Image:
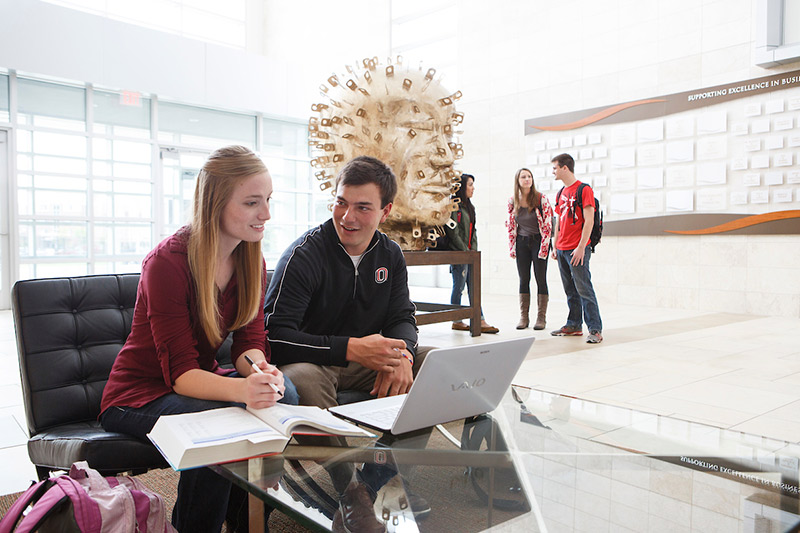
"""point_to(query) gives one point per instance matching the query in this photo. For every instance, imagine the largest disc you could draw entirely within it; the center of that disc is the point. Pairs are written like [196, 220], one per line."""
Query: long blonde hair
[534, 197]
[224, 169]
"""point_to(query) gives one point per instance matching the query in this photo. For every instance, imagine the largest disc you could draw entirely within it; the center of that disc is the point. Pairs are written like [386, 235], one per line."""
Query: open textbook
[232, 433]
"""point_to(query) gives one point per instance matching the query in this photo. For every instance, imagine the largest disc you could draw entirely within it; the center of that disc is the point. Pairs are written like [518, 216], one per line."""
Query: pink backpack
[86, 502]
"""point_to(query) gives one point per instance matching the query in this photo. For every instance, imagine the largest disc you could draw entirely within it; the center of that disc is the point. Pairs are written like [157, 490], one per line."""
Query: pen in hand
[257, 369]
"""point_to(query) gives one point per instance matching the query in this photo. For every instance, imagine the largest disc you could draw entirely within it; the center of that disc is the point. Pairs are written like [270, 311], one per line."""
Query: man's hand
[393, 383]
[577, 256]
[376, 352]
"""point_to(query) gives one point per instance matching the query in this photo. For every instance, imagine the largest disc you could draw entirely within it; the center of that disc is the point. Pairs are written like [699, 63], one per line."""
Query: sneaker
[595, 337]
[567, 331]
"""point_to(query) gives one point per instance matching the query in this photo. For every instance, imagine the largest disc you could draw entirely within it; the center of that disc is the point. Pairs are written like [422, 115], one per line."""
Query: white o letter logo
[381, 275]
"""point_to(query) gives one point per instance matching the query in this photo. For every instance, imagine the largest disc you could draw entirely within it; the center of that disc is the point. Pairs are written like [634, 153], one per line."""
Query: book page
[220, 425]
[290, 419]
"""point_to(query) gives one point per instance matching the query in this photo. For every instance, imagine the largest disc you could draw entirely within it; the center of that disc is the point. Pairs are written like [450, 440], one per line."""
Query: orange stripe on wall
[741, 223]
[600, 115]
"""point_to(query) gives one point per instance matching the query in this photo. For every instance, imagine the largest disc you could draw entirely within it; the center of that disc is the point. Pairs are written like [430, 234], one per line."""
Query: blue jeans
[462, 275]
[203, 495]
[577, 281]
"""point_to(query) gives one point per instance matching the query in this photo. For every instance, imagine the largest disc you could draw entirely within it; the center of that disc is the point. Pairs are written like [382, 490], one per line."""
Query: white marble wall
[534, 59]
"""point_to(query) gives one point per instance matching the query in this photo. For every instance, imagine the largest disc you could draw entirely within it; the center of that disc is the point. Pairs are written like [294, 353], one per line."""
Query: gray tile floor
[728, 370]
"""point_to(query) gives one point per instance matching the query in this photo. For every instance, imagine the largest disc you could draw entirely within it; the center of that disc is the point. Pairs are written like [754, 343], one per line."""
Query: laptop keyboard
[384, 417]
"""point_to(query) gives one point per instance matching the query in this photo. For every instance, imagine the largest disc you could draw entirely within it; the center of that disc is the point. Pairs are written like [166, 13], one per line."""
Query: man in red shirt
[571, 232]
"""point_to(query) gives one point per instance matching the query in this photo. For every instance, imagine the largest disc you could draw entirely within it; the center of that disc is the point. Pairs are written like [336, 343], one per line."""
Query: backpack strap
[33, 494]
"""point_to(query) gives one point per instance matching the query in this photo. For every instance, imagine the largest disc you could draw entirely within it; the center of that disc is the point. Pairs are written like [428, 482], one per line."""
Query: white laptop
[452, 383]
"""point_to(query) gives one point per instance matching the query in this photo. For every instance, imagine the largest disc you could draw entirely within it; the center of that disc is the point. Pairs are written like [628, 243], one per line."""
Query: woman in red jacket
[530, 225]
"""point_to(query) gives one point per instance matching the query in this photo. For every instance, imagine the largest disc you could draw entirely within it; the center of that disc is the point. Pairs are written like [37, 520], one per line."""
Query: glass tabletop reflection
[548, 462]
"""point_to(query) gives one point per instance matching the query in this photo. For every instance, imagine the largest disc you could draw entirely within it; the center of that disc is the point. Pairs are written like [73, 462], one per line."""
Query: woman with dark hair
[464, 238]
[530, 224]
[206, 280]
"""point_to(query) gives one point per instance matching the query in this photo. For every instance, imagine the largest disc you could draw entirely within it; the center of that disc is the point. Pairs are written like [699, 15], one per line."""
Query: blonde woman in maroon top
[206, 280]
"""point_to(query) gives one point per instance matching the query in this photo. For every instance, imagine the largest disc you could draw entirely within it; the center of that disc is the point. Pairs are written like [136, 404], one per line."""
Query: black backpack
[597, 229]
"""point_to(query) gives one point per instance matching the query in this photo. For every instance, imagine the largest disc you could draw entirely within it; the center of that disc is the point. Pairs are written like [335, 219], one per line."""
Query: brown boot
[542, 300]
[524, 306]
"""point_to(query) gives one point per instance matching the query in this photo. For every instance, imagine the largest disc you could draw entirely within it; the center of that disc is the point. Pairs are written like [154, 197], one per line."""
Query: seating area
[69, 331]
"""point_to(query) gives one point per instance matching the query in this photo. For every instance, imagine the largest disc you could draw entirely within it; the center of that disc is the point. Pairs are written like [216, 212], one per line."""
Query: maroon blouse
[166, 339]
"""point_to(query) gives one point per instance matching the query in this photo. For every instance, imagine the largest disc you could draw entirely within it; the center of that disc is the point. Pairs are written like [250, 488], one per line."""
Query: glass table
[547, 462]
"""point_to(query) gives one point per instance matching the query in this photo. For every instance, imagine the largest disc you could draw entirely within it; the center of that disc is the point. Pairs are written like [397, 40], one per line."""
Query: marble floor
[728, 370]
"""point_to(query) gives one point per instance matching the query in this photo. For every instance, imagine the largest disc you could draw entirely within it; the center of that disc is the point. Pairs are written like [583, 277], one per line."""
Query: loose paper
[773, 178]
[651, 178]
[738, 198]
[740, 128]
[760, 196]
[773, 106]
[680, 152]
[712, 122]
[623, 181]
[759, 161]
[752, 145]
[680, 176]
[712, 148]
[752, 109]
[752, 179]
[650, 202]
[760, 126]
[650, 154]
[680, 201]
[623, 157]
[622, 204]
[680, 127]
[739, 163]
[782, 195]
[783, 159]
[650, 131]
[711, 200]
[624, 134]
[774, 142]
[711, 173]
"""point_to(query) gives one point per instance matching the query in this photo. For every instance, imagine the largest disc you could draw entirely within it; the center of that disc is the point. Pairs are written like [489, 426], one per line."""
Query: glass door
[179, 168]
[5, 224]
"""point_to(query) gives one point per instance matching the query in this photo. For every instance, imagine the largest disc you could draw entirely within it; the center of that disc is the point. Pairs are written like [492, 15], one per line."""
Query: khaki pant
[318, 385]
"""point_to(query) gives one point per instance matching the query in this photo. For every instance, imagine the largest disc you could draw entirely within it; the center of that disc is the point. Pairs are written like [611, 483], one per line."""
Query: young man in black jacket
[338, 312]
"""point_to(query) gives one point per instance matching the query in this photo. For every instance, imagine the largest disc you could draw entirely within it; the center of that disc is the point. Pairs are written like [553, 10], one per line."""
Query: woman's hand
[258, 393]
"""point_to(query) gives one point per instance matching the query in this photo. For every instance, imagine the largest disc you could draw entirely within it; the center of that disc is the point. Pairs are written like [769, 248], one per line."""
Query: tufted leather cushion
[69, 331]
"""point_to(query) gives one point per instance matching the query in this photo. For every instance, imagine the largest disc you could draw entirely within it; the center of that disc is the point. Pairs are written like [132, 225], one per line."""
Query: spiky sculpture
[404, 117]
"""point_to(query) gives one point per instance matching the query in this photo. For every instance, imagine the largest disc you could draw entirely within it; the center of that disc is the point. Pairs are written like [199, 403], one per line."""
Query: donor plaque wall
[714, 160]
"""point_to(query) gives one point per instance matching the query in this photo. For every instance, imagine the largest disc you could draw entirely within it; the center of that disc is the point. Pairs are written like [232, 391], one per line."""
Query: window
[777, 32]
[216, 22]
[297, 202]
[4, 105]
[96, 191]
[123, 114]
[48, 105]
[791, 21]
[196, 126]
